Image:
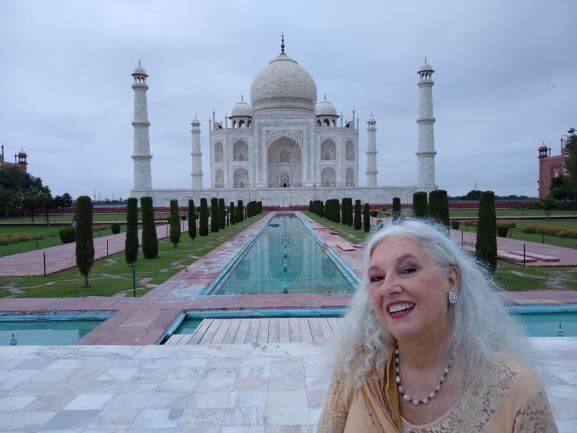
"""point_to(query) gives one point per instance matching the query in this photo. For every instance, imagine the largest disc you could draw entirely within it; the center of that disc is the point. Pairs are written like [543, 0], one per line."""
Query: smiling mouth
[397, 311]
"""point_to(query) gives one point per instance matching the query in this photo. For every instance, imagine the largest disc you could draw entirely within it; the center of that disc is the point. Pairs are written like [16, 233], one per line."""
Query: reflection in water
[285, 259]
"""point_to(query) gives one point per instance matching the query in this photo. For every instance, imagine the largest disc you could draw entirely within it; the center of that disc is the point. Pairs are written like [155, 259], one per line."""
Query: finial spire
[425, 59]
[325, 96]
[282, 43]
[241, 98]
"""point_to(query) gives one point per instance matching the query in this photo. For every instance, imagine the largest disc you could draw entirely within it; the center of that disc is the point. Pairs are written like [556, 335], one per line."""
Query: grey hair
[480, 326]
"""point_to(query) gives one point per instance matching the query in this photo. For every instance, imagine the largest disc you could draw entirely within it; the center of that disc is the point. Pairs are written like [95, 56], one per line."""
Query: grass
[509, 276]
[349, 233]
[49, 235]
[534, 237]
[111, 275]
[473, 213]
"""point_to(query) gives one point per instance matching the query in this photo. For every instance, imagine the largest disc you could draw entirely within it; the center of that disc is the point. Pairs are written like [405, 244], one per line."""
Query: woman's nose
[391, 285]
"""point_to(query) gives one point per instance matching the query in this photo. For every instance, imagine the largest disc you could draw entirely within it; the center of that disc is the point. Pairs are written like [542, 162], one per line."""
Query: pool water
[552, 324]
[44, 332]
[188, 326]
[285, 259]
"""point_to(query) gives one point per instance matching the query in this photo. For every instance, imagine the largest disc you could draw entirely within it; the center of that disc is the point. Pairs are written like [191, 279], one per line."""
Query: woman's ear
[454, 279]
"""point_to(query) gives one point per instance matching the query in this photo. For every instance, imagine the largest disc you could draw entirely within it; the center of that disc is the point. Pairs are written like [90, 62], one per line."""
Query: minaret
[426, 138]
[196, 155]
[372, 153]
[141, 154]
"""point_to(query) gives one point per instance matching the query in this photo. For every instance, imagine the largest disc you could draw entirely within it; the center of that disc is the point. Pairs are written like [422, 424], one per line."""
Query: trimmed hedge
[12, 238]
[115, 228]
[149, 237]
[191, 219]
[174, 223]
[486, 243]
[366, 219]
[84, 239]
[562, 232]
[455, 225]
[67, 235]
[131, 240]
[439, 206]
[203, 221]
[420, 205]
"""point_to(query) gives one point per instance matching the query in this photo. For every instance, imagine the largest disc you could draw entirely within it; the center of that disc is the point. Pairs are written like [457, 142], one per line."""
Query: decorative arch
[284, 163]
[350, 151]
[218, 151]
[328, 150]
[240, 178]
[328, 177]
[240, 151]
[219, 178]
[350, 177]
[240, 123]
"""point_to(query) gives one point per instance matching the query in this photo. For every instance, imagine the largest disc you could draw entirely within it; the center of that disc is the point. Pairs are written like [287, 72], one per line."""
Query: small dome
[543, 147]
[426, 67]
[139, 70]
[283, 84]
[241, 109]
[326, 108]
[22, 153]
[371, 119]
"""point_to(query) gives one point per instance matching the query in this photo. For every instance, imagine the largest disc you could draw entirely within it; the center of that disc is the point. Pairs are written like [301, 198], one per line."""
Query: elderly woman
[428, 346]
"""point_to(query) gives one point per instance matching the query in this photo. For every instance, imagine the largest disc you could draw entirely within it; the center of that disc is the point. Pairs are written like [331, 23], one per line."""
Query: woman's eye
[408, 270]
[375, 278]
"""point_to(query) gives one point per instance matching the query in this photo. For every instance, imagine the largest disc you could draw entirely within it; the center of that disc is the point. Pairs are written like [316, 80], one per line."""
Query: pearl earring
[452, 296]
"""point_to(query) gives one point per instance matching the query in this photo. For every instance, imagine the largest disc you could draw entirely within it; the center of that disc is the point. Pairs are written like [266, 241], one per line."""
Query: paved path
[61, 257]
[256, 388]
[566, 256]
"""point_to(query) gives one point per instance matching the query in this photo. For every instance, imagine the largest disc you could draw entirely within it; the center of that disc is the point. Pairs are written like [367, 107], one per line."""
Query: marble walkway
[278, 388]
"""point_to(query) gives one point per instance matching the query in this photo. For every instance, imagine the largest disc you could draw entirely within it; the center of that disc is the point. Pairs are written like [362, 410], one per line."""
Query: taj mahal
[284, 148]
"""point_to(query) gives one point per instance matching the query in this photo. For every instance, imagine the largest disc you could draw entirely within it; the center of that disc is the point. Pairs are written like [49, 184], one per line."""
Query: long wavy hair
[480, 327]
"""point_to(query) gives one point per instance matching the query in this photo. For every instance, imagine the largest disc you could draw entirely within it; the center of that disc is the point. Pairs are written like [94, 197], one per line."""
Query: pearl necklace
[428, 398]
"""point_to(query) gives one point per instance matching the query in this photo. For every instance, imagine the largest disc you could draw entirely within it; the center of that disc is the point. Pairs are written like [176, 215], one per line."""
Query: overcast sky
[505, 80]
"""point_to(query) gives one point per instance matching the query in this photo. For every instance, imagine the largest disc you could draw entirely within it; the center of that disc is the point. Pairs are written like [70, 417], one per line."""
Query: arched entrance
[284, 164]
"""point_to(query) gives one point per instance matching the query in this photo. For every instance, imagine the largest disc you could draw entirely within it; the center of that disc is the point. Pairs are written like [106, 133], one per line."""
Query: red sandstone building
[550, 167]
[19, 161]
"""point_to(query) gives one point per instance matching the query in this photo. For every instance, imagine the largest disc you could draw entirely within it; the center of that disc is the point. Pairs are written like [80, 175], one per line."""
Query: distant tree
[149, 236]
[561, 188]
[548, 205]
[231, 212]
[203, 221]
[366, 218]
[32, 199]
[191, 219]
[439, 206]
[131, 240]
[357, 223]
[221, 214]
[486, 242]
[214, 215]
[174, 223]
[420, 205]
[84, 241]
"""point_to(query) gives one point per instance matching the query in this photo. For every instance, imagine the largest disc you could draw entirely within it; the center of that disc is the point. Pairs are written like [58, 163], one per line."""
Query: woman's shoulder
[519, 381]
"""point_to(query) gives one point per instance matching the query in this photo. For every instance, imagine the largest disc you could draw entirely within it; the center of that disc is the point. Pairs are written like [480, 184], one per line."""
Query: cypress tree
[203, 221]
[349, 212]
[337, 211]
[174, 223]
[321, 209]
[486, 243]
[191, 219]
[344, 211]
[149, 237]
[420, 205]
[221, 213]
[396, 208]
[84, 241]
[239, 211]
[232, 214]
[366, 218]
[131, 240]
[439, 206]
[213, 215]
[357, 223]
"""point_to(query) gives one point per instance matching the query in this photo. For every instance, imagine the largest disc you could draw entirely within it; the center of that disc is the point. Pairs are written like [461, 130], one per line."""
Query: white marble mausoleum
[283, 147]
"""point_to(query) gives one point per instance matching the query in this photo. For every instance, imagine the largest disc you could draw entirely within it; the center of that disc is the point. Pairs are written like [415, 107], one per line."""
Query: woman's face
[407, 289]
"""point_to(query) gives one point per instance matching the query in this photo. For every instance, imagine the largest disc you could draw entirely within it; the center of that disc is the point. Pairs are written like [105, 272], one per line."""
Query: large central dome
[283, 84]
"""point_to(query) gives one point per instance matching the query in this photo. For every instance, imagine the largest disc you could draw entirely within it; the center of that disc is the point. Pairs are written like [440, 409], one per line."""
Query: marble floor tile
[129, 400]
[17, 402]
[157, 418]
[201, 418]
[70, 420]
[286, 398]
[89, 401]
[287, 416]
[248, 399]
[113, 418]
[210, 399]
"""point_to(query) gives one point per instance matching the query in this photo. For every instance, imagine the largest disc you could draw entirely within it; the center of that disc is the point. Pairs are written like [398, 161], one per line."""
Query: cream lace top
[515, 402]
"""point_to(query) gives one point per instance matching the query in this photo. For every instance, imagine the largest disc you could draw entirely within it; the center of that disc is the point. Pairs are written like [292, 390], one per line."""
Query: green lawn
[510, 276]
[49, 235]
[112, 275]
[119, 217]
[349, 233]
[508, 212]
[533, 237]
